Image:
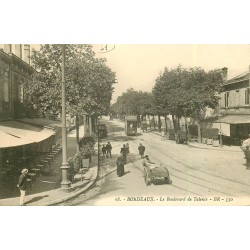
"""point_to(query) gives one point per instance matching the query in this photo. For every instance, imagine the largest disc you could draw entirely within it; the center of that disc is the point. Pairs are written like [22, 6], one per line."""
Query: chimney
[7, 48]
[27, 53]
[18, 49]
[224, 73]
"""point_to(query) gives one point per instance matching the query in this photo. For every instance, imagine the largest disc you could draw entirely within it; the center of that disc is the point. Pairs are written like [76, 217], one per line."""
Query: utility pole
[65, 184]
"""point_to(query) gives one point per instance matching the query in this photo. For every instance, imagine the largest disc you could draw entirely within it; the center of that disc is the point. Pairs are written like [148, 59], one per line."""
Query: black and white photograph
[125, 124]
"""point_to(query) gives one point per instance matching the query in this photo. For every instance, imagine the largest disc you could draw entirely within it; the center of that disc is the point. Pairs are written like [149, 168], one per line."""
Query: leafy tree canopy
[187, 92]
[89, 81]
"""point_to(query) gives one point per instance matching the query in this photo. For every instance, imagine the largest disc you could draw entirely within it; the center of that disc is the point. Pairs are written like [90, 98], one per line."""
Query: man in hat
[22, 184]
[141, 149]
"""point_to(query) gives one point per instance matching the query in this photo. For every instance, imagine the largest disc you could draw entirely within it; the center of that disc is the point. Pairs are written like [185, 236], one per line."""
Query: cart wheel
[146, 178]
[167, 180]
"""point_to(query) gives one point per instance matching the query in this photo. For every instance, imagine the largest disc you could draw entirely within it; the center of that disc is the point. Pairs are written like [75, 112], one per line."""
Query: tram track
[185, 177]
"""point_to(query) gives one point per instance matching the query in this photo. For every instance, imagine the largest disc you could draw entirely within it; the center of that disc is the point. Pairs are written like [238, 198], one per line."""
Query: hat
[25, 171]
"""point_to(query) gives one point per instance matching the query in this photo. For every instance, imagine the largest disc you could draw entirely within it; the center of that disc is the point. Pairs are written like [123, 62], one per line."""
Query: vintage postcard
[124, 125]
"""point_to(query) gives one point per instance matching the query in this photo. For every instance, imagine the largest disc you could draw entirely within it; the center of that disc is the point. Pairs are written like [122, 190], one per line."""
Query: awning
[234, 119]
[8, 141]
[21, 134]
[224, 128]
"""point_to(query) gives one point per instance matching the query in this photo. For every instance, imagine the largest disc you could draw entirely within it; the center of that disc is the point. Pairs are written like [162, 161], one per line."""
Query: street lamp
[65, 184]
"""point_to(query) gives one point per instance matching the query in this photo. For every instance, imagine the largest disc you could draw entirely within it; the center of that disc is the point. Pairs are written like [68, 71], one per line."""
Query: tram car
[131, 125]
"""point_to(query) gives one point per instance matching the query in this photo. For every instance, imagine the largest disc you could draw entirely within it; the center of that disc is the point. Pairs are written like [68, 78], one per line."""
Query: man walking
[109, 149]
[22, 184]
[103, 150]
[141, 149]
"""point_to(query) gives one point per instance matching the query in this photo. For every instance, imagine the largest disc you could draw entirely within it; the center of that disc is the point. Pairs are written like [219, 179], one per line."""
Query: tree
[134, 103]
[187, 92]
[89, 81]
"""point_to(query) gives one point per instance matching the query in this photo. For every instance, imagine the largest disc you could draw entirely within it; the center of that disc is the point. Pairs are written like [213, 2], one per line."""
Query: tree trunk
[186, 128]
[159, 123]
[154, 121]
[77, 133]
[174, 123]
[166, 125]
[199, 132]
[149, 121]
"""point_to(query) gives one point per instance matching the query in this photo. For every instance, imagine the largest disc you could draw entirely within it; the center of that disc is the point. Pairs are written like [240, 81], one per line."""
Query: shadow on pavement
[36, 199]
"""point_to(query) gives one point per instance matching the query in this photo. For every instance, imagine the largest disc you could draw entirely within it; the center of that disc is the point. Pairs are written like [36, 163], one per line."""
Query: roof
[242, 77]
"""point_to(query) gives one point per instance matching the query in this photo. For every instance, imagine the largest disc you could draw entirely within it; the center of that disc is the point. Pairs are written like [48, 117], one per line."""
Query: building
[234, 109]
[15, 73]
[20, 134]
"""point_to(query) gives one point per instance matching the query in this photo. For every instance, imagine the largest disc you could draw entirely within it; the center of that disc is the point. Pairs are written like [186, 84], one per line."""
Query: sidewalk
[53, 197]
[46, 190]
[208, 147]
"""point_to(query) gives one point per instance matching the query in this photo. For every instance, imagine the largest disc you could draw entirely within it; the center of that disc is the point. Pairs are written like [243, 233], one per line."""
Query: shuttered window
[247, 92]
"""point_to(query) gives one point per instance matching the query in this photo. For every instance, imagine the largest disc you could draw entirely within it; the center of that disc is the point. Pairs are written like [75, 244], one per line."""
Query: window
[247, 92]
[226, 99]
[21, 93]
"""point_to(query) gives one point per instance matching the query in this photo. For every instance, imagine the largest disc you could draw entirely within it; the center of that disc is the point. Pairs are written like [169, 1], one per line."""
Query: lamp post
[65, 184]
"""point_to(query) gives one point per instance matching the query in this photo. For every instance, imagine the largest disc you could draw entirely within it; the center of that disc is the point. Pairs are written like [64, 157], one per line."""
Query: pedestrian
[147, 160]
[104, 149]
[141, 149]
[120, 162]
[22, 184]
[127, 148]
[109, 149]
[123, 149]
[124, 152]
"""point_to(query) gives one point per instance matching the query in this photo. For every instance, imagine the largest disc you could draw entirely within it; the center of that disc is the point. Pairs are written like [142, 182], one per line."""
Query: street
[199, 176]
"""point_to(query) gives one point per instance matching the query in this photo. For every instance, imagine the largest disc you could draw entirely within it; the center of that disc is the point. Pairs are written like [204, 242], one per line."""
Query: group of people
[106, 150]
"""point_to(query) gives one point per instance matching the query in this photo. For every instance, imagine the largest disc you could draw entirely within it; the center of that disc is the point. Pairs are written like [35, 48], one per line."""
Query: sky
[138, 65]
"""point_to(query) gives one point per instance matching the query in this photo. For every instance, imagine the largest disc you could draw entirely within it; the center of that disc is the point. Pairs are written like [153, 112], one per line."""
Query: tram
[131, 124]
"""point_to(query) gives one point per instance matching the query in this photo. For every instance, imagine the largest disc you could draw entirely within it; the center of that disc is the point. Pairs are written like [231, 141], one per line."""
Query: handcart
[152, 172]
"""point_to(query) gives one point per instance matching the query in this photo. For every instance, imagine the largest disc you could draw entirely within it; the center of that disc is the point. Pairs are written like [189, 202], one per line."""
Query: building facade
[15, 73]
[234, 109]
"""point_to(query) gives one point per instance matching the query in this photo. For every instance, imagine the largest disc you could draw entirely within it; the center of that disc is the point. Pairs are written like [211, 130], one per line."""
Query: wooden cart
[155, 171]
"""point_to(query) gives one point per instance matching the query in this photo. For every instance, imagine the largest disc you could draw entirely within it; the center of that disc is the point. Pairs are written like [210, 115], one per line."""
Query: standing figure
[104, 149]
[141, 149]
[109, 149]
[22, 184]
[127, 148]
[120, 162]
[124, 152]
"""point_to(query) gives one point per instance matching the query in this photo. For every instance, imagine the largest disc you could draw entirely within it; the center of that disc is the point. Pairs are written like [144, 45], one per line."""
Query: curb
[216, 149]
[73, 194]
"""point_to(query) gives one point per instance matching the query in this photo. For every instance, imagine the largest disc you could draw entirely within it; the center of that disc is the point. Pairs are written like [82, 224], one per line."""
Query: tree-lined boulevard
[204, 176]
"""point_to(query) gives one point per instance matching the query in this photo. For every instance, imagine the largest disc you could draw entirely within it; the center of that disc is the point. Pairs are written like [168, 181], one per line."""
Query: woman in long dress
[120, 165]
